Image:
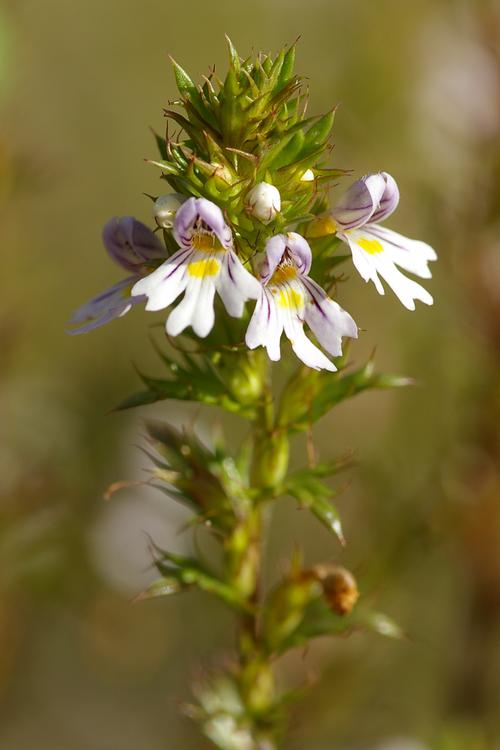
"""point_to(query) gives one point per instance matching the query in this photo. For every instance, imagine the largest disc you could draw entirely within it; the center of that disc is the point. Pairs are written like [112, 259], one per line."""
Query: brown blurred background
[80, 666]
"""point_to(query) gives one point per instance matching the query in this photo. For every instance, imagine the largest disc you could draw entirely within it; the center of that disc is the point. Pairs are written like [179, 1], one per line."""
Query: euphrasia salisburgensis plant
[243, 264]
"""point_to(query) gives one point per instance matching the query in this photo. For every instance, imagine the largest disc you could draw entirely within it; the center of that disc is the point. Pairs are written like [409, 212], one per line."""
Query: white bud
[308, 176]
[264, 202]
[165, 207]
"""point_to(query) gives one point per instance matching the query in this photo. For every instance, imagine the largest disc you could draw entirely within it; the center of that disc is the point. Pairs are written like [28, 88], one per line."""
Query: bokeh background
[82, 667]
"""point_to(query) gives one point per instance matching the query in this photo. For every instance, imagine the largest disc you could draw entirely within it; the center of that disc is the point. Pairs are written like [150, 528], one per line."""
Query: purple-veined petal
[275, 249]
[266, 326]
[305, 350]
[131, 243]
[164, 284]
[236, 285]
[113, 303]
[200, 208]
[389, 200]
[359, 202]
[297, 249]
[327, 320]
[300, 252]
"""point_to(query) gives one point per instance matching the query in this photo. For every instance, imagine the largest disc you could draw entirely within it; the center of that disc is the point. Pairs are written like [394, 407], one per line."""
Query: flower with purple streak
[206, 263]
[134, 247]
[377, 250]
[289, 297]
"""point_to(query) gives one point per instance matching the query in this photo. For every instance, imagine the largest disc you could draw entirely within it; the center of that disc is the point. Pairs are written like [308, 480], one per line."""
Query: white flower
[379, 251]
[165, 207]
[264, 202]
[205, 264]
[288, 299]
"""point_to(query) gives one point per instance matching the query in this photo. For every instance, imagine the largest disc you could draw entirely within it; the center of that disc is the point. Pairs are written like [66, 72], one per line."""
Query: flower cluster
[207, 262]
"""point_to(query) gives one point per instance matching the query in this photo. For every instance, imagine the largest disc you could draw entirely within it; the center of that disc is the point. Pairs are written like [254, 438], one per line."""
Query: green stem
[270, 462]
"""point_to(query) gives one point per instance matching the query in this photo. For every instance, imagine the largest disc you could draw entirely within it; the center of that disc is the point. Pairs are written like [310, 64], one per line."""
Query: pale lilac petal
[266, 326]
[185, 219]
[389, 201]
[296, 247]
[164, 284]
[327, 320]
[275, 249]
[211, 214]
[300, 252]
[359, 202]
[109, 305]
[235, 285]
[131, 243]
[200, 208]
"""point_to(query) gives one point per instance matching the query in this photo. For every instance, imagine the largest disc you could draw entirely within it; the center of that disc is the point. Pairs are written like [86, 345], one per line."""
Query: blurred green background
[419, 90]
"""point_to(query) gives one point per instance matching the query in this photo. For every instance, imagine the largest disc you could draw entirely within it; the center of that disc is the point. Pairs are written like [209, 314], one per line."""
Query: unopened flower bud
[308, 176]
[264, 202]
[165, 207]
[339, 587]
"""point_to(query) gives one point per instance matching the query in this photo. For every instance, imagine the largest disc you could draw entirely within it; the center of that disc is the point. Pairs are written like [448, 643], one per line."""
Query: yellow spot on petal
[201, 268]
[284, 273]
[206, 242]
[370, 246]
[289, 298]
[322, 227]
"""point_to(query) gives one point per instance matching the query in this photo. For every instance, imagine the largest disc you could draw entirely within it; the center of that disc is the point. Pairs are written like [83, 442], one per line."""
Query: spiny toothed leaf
[179, 573]
[319, 620]
[310, 394]
[312, 493]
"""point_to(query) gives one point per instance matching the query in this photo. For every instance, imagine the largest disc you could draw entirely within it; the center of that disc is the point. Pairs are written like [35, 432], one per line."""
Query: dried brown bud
[339, 587]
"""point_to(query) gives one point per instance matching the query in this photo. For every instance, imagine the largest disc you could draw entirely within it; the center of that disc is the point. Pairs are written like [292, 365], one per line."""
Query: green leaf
[309, 395]
[191, 573]
[191, 94]
[233, 56]
[164, 586]
[318, 134]
[319, 620]
[286, 71]
[312, 493]
[379, 623]
[288, 153]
